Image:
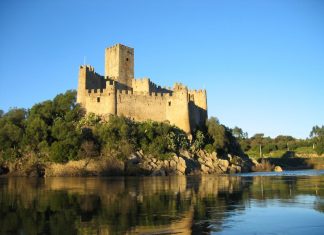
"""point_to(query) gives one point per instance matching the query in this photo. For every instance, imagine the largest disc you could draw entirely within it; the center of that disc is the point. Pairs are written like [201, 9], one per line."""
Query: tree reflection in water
[139, 205]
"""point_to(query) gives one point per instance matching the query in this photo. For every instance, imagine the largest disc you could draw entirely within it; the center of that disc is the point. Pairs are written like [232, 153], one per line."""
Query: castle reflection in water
[141, 205]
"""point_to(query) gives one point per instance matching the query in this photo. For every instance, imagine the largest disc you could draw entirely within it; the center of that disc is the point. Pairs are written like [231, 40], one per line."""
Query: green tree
[221, 138]
[317, 134]
[199, 140]
[217, 133]
[36, 132]
[239, 133]
[117, 135]
[12, 125]
[284, 142]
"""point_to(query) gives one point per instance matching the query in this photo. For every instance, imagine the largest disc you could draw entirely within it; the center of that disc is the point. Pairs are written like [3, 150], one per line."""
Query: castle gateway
[119, 93]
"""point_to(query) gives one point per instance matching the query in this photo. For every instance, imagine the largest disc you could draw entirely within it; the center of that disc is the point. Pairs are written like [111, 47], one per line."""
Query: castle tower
[119, 64]
[81, 94]
[177, 109]
[119, 93]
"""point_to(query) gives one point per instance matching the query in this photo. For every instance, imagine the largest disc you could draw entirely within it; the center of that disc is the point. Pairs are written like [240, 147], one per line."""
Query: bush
[63, 151]
[198, 141]
[209, 148]
[264, 165]
[88, 149]
[159, 139]
[319, 148]
[221, 138]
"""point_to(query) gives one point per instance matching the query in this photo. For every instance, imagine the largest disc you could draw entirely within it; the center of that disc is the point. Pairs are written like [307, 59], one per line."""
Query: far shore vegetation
[58, 130]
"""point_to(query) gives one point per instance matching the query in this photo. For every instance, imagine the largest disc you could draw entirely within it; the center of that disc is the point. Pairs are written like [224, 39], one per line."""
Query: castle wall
[81, 94]
[141, 106]
[100, 101]
[146, 85]
[141, 85]
[112, 61]
[197, 108]
[118, 93]
[177, 111]
[159, 89]
[88, 79]
[94, 80]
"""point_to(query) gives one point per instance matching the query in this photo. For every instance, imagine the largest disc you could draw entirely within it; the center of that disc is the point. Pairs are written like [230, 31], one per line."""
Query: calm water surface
[263, 203]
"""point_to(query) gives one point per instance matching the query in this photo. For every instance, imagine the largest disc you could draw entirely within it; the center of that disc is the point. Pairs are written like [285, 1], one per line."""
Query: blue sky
[262, 62]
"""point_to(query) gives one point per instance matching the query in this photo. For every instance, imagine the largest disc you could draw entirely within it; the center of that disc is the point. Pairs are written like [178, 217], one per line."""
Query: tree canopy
[58, 130]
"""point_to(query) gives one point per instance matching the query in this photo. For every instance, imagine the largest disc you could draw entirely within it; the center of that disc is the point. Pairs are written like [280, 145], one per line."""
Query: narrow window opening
[126, 59]
[169, 103]
[98, 99]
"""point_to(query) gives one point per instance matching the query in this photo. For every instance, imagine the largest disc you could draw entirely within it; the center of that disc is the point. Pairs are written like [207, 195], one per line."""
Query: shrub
[63, 151]
[88, 149]
[160, 138]
[209, 148]
[319, 148]
[198, 141]
[264, 165]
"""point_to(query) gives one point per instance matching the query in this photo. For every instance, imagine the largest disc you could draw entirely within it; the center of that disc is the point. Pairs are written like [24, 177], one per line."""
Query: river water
[258, 203]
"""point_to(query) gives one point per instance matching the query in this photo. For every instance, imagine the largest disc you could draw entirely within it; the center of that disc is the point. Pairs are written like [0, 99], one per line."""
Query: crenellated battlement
[90, 70]
[179, 87]
[88, 67]
[119, 93]
[124, 92]
[200, 91]
[95, 91]
[143, 94]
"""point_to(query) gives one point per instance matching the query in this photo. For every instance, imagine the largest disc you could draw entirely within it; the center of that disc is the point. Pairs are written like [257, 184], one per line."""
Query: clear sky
[262, 62]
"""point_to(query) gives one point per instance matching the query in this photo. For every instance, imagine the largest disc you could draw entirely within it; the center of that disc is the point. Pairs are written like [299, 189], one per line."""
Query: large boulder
[223, 164]
[204, 169]
[213, 156]
[278, 169]
[173, 164]
[209, 162]
[181, 165]
[234, 169]
[153, 165]
[185, 153]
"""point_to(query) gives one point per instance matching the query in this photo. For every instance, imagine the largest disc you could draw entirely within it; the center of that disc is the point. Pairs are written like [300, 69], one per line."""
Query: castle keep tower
[119, 93]
[119, 64]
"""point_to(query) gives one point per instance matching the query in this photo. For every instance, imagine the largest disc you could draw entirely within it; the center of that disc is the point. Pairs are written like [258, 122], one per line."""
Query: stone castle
[119, 93]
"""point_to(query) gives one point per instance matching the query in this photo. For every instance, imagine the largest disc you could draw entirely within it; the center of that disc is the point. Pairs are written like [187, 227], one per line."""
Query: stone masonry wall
[118, 93]
[119, 63]
[141, 106]
[197, 108]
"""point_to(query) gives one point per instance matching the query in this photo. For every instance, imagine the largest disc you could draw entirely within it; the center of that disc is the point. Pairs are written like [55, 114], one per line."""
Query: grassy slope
[300, 158]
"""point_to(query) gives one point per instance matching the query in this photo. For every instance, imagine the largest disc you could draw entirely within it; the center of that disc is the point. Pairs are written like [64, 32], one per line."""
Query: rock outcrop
[186, 164]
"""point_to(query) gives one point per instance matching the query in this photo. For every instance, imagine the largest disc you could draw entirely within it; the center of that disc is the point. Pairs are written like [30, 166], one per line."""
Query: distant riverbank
[296, 163]
[294, 160]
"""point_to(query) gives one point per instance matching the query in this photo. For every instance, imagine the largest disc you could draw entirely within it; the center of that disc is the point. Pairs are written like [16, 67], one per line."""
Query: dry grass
[264, 165]
[86, 167]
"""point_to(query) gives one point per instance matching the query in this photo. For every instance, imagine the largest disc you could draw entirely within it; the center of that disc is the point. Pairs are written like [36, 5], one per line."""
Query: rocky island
[115, 124]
